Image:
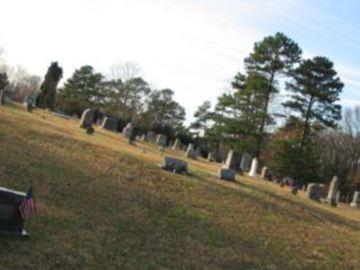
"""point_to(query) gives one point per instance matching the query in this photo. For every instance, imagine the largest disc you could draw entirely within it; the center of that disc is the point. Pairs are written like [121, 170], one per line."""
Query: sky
[194, 47]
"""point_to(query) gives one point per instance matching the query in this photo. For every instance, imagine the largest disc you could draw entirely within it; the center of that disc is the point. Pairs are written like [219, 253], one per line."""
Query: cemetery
[251, 160]
[130, 177]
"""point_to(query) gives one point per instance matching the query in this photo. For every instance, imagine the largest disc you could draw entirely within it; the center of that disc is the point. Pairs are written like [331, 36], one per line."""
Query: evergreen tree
[238, 115]
[273, 56]
[315, 89]
[85, 89]
[163, 114]
[202, 116]
[47, 96]
[284, 157]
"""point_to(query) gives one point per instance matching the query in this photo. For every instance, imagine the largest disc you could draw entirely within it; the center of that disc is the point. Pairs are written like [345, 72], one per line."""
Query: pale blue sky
[194, 47]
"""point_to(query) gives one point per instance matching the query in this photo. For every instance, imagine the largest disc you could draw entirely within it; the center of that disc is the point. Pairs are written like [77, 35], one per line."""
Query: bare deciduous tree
[340, 151]
[125, 71]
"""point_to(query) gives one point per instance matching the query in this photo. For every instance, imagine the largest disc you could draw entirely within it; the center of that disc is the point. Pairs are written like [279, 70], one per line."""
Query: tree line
[283, 109]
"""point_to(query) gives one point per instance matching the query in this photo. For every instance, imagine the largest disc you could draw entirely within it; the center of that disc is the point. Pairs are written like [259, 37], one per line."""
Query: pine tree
[273, 56]
[83, 90]
[238, 115]
[315, 89]
[202, 116]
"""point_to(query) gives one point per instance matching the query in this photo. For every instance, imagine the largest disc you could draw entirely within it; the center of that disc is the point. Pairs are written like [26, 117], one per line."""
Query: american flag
[27, 206]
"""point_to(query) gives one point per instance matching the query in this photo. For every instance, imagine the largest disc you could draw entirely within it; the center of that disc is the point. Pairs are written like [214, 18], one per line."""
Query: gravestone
[227, 174]
[110, 123]
[87, 118]
[30, 102]
[191, 153]
[143, 138]
[264, 171]
[210, 157]
[245, 164]
[150, 137]
[10, 218]
[254, 167]
[161, 140]
[332, 193]
[29, 107]
[190, 147]
[128, 130]
[337, 197]
[174, 165]
[288, 181]
[315, 192]
[232, 160]
[356, 200]
[312, 192]
[177, 144]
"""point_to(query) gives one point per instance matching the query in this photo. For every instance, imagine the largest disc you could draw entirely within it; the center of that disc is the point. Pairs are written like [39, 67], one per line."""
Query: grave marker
[110, 123]
[254, 167]
[174, 165]
[161, 140]
[356, 200]
[10, 218]
[245, 164]
[332, 193]
[232, 160]
[227, 174]
[87, 119]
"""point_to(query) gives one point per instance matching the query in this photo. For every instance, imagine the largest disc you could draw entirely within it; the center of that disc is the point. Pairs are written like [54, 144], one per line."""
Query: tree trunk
[263, 121]
[306, 126]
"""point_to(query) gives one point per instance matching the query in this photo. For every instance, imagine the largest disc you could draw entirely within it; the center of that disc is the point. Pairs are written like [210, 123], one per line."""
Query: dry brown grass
[104, 204]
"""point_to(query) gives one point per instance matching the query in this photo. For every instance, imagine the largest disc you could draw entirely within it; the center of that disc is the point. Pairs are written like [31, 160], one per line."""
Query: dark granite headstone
[11, 221]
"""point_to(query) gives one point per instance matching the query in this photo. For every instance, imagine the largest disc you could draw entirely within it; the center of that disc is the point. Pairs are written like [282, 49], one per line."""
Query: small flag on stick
[27, 206]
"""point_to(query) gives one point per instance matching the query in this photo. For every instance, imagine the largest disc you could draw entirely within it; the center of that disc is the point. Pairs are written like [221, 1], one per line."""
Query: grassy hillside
[106, 205]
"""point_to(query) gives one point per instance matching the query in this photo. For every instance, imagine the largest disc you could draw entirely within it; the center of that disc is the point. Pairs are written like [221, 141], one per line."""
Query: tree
[85, 89]
[24, 84]
[273, 56]
[340, 151]
[128, 98]
[125, 71]
[202, 117]
[315, 88]
[163, 114]
[46, 98]
[238, 115]
[282, 154]
[3, 80]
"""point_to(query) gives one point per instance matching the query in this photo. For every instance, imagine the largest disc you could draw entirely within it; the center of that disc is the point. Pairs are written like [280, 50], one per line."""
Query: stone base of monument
[227, 174]
[174, 165]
